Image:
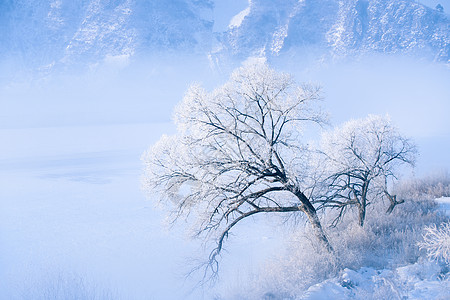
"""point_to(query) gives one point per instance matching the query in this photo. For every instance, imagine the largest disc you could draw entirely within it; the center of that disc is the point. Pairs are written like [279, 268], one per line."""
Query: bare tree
[360, 158]
[237, 152]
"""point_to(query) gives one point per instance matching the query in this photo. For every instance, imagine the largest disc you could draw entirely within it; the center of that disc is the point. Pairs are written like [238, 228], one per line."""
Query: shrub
[433, 186]
[386, 241]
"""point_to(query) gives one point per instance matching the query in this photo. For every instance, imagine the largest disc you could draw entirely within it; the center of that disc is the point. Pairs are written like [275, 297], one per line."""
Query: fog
[415, 93]
[72, 212]
[73, 217]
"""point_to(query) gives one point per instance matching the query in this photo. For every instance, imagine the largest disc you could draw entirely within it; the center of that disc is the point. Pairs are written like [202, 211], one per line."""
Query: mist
[73, 215]
[72, 209]
[412, 91]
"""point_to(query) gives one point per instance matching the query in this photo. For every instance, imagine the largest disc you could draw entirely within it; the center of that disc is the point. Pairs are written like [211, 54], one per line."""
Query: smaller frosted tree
[360, 158]
[237, 152]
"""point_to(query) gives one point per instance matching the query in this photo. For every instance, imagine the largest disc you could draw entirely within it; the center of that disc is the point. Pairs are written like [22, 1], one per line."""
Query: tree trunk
[361, 213]
[317, 227]
[311, 213]
[363, 204]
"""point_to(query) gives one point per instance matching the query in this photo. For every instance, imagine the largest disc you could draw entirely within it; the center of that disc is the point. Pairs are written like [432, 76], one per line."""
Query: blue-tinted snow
[71, 210]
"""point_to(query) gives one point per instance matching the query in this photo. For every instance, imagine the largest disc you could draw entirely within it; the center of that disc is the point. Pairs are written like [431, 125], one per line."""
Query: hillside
[50, 32]
[341, 28]
[55, 31]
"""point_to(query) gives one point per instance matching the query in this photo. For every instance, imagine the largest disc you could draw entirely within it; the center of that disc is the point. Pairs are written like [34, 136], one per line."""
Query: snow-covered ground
[425, 279]
[417, 281]
[71, 206]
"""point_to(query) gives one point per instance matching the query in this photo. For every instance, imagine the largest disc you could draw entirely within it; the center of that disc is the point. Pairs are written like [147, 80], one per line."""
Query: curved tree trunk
[311, 213]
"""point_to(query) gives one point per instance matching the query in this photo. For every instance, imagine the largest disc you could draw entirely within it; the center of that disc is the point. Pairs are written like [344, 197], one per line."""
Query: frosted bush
[433, 186]
[437, 241]
[386, 241]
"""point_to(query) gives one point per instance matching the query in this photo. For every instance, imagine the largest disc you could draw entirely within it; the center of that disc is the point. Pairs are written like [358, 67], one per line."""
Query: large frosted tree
[237, 152]
[360, 157]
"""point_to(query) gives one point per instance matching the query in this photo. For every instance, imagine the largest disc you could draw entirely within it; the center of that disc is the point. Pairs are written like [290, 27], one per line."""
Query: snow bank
[421, 280]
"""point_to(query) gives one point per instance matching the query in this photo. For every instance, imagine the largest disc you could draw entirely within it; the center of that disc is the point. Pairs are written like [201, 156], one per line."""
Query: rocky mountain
[52, 31]
[48, 32]
[340, 27]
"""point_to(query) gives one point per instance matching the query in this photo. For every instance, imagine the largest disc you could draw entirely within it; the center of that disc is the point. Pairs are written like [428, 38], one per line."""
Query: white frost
[416, 281]
[236, 21]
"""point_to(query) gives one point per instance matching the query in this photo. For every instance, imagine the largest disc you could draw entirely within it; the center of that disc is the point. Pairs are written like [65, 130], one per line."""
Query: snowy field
[73, 218]
[72, 207]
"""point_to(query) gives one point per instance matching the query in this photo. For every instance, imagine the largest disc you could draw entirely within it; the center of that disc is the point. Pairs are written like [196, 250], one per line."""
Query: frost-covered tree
[360, 158]
[237, 152]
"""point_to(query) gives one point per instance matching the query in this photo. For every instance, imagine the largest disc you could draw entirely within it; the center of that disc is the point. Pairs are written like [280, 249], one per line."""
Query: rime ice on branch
[237, 152]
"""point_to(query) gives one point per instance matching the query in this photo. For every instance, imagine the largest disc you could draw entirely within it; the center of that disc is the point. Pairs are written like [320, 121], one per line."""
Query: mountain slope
[390, 27]
[48, 32]
[341, 27]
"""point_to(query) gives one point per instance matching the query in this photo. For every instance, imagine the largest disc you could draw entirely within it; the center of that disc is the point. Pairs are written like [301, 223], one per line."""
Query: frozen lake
[72, 210]
[71, 204]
